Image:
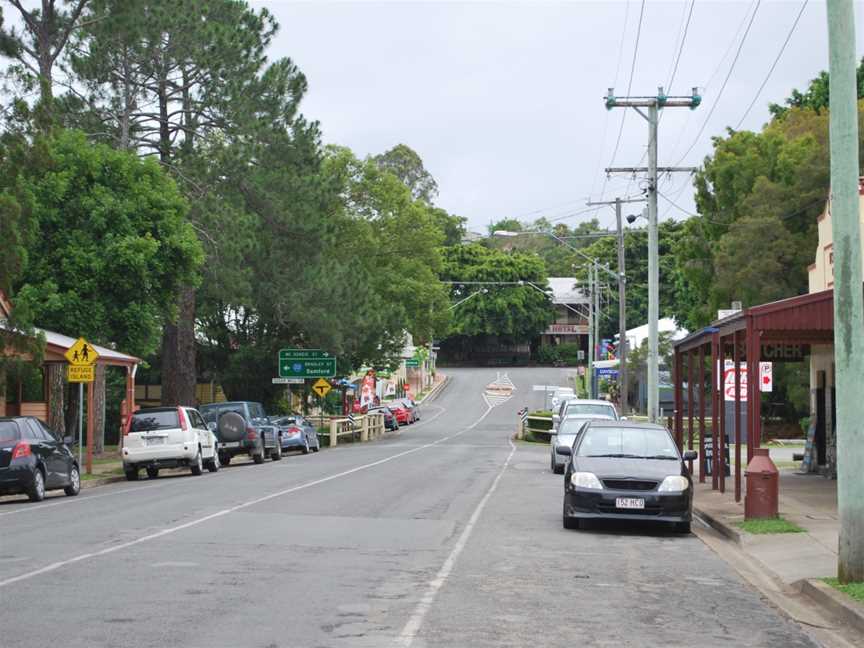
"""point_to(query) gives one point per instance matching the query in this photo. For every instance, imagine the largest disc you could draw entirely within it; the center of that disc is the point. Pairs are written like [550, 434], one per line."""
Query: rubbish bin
[763, 486]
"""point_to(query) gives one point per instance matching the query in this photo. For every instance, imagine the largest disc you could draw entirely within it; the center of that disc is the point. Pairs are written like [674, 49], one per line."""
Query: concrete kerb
[837, 603]
[726, 530]
[436, 390]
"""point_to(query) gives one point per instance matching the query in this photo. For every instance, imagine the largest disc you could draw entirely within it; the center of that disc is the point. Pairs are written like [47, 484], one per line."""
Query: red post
[690, 363]
[736, 357]
[679, 413]
[754, 348]
[715, 354]
[702, 463]
[721, 406]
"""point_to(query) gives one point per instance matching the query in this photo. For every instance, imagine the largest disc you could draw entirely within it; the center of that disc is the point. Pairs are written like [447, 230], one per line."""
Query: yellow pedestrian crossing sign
[321, 387]
[81, 354]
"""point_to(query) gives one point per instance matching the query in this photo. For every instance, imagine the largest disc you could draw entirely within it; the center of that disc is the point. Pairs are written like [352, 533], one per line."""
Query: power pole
[653, 105]
[623, 382]
[848, 299]
[596, 319]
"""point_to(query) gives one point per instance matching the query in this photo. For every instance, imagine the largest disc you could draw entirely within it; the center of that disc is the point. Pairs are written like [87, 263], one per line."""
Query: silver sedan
[568, 430]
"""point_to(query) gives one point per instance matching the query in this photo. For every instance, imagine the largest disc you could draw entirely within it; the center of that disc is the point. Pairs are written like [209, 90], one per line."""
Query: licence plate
[230, 444]
[629, 503]
[152, 441]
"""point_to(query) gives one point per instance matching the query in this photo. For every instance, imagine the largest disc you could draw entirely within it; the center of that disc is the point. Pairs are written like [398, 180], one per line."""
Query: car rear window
[591, 409]
[631, 441]
[148, 421]
[9, 432]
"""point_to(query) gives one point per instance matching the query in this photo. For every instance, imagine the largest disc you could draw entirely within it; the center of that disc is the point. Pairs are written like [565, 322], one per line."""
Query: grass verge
[852, 590]
[771, 525]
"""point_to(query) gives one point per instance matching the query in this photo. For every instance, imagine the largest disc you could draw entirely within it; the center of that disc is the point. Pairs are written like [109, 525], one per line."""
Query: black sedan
[33, 460]
[627, 471]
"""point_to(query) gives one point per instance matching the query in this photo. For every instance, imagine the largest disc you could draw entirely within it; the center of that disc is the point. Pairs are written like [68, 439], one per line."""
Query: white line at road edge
[66, 501]
[171, 530]
[406, 637]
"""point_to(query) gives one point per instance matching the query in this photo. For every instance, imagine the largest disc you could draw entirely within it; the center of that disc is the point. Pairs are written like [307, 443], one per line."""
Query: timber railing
[366, 427]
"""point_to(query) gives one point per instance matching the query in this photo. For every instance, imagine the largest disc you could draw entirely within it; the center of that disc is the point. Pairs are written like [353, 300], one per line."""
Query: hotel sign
[566, 329]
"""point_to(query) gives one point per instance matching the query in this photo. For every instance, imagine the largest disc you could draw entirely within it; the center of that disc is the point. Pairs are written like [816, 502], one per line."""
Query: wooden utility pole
[848, 297]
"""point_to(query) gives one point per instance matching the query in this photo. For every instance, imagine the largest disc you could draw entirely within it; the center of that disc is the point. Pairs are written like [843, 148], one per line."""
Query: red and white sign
[766, 379]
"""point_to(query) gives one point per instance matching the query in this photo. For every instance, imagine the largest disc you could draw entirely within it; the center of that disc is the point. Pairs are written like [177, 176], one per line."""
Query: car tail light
[182, 416]
[21, 449]
[293, 430]
[251, 434]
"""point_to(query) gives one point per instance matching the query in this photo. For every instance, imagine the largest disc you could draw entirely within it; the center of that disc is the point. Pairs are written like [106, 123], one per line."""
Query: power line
[774, 64]
[629, 88]
[725, 81]
[680, 48]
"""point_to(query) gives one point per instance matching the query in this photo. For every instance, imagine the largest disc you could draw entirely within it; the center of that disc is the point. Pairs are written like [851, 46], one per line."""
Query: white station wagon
[168, 437]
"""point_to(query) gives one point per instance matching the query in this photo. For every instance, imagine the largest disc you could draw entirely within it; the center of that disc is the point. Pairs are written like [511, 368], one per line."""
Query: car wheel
[36, 491]
[198, 464]
[682, 527]
[305, 446]
[214, 464]
[131, 474]
[258, 458]
[225, 460]
[571, 523]
[74, 486]
[558, 470]
[152, 473]
[277, 452]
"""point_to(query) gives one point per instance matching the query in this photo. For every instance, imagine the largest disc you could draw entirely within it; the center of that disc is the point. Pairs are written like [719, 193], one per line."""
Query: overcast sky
[504, 101]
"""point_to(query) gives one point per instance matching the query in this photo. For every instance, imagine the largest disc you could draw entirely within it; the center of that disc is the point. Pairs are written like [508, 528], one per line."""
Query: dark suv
[241, 427]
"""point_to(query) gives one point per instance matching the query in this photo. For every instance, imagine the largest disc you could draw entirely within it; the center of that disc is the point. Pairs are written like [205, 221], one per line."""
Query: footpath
[792, 564]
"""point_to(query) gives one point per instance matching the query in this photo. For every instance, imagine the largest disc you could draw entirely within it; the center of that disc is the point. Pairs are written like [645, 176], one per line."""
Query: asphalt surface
[445, 535]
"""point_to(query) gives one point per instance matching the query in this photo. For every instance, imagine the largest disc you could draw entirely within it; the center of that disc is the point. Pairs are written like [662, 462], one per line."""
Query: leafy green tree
[514, 313]
[404, 163]
[815, 97]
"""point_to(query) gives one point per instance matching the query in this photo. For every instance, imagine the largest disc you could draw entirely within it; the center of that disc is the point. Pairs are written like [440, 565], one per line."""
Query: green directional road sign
[412, 363]
[302, 354]
[307, 368]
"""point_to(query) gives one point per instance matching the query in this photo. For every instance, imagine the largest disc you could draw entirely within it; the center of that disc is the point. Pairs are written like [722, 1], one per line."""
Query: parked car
[401, 411]
[390, 421]
[567, 432]
[559, 394]
[413, 406]
[241, 427]
[296, 433]
[587, 408]
[627, 471]
[168, 437]
[34, 460]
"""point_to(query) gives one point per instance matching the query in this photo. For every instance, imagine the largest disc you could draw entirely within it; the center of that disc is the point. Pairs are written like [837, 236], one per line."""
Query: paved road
[446, 535]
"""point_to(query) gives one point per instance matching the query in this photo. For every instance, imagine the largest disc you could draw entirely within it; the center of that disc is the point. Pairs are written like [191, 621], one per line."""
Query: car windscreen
[9, 432]
[635, 442]
[149, 421]
[591, 409]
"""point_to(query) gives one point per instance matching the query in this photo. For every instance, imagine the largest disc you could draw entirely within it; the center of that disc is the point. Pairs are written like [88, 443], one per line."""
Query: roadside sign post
[82, 359]
[321, 387]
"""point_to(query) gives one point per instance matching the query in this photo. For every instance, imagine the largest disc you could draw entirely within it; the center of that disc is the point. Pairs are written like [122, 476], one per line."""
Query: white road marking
[186, 525]
[409, 632]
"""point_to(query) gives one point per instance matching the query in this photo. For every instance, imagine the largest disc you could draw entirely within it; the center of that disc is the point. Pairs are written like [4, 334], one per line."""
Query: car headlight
[585, 480]
[674, 484]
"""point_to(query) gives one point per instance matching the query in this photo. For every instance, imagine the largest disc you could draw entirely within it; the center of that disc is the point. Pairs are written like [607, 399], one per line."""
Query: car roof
[589, 401]
[145, 410]
[626, 424]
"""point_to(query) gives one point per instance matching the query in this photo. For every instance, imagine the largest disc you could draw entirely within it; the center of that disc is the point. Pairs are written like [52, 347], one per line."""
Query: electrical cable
[774, 64]
[723, 87]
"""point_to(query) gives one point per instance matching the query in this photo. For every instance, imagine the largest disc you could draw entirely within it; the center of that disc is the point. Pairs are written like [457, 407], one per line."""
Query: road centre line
[186, 525]
[63, 501]
[412, 627]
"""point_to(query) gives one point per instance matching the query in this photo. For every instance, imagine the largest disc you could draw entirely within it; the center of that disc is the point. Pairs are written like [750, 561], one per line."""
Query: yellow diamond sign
[81, 354]
[321, 387]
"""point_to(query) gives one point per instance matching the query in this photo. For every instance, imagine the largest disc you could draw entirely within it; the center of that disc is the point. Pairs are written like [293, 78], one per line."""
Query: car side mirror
[69, 440]
[690, 455]
[623, 418]
[564, 450]
[212, 426]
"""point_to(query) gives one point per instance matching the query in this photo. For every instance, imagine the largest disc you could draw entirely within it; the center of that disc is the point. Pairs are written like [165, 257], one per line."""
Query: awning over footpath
[742, 337]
